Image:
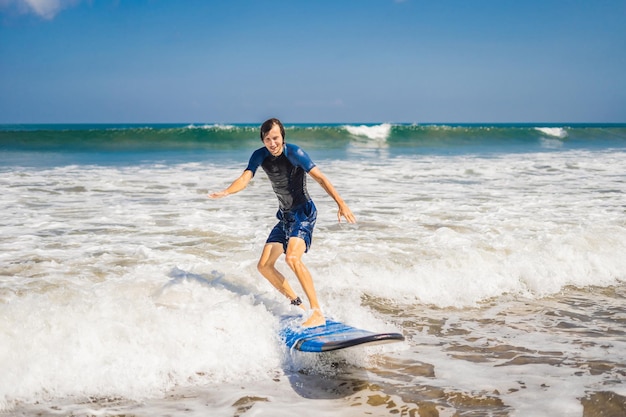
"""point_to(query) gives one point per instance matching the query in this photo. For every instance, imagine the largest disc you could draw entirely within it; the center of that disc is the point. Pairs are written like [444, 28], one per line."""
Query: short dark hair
[269, 124]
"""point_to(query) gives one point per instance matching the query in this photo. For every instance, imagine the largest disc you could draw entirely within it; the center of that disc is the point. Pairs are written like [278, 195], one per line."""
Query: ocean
[498, 251]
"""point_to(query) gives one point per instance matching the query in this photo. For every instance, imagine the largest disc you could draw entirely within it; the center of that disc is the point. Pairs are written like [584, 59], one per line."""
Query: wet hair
[269, 124]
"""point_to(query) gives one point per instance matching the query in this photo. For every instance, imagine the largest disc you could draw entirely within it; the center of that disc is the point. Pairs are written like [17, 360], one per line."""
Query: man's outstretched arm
[344, 210]
[237, 185]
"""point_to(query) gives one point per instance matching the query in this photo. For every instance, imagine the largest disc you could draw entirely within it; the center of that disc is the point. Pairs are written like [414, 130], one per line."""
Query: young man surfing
[286, 166]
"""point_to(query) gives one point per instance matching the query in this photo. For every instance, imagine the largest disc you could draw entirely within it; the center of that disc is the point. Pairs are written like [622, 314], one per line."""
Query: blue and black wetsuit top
[287, 173]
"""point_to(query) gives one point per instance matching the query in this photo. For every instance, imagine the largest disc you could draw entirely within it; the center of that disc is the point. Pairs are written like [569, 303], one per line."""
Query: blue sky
[238, 61]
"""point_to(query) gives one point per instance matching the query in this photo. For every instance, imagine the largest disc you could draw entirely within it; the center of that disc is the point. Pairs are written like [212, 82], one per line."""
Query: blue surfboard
[332, 336]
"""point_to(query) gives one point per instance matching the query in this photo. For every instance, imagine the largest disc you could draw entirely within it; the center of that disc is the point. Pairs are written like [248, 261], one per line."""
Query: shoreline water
[519, 366]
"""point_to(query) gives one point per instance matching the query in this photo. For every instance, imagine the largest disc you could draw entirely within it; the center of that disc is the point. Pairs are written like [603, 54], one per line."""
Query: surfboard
[333, 335]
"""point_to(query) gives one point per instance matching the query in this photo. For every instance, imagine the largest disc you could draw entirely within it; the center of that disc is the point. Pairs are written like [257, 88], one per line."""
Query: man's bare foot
[316, 319]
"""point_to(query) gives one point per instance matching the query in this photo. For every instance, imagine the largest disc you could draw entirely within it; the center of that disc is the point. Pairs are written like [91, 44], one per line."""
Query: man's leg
[271, 253]
[295, 249]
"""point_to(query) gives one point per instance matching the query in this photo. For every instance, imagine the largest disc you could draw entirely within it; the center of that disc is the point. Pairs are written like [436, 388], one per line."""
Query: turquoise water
[63, 144]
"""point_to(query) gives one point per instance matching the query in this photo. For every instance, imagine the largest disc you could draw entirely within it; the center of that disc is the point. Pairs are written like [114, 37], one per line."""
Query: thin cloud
[45, 9]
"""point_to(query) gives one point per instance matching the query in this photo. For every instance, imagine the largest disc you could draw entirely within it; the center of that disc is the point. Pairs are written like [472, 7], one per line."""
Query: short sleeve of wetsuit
[298, 157]
[257, 159]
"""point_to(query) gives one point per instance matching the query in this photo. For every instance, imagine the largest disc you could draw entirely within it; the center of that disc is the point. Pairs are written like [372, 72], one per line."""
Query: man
[286, 166]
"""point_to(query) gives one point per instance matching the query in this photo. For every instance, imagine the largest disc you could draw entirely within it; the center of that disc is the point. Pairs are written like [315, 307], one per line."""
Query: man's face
[273, 141]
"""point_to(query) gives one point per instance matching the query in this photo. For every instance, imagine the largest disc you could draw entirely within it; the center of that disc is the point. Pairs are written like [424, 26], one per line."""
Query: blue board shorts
[297, 222]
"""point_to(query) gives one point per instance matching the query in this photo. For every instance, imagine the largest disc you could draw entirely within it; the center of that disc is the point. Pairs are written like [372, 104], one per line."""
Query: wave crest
[378, 132]
[555, 132]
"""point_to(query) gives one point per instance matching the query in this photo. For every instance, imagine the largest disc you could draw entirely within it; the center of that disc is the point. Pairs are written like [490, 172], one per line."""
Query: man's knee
[263, 266]
[293, 260]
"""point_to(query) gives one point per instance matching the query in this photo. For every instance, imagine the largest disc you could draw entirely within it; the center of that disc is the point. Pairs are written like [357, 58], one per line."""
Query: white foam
[212, 126]
[113, 339]
[499, 225]
[556, 132]
[378, 132]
